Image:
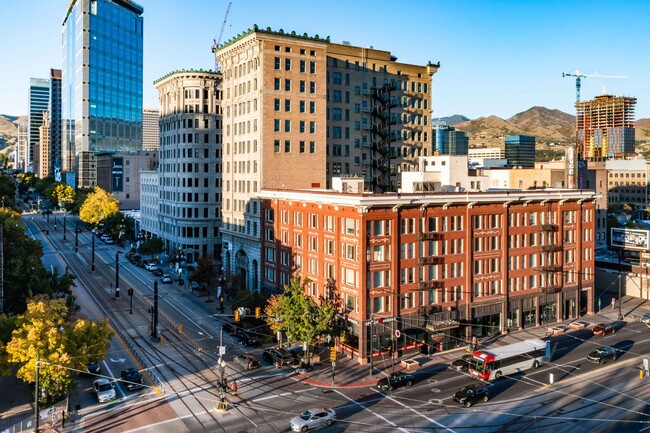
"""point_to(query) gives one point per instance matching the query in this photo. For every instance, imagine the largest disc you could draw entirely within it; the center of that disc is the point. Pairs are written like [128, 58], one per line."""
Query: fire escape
[550, 248]
[382, 137]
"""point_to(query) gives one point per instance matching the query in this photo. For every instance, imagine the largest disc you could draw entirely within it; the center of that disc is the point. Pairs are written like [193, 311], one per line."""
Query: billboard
[117, 173]
[630, 239]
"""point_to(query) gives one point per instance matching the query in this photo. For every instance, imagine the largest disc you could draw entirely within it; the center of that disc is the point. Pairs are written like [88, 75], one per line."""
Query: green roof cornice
[185, 71]
[268, 30]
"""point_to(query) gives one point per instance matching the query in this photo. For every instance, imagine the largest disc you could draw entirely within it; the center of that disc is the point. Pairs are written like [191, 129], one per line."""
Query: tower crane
[580, 75]
[216, 42]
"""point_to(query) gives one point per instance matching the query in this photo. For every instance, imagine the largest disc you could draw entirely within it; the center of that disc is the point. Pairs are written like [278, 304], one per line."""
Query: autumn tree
[61, 342]
[98, 205]
[298, 315]
[63, 194]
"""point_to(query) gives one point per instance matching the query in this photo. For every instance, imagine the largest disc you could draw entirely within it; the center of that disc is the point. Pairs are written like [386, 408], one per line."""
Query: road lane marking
[371, 411]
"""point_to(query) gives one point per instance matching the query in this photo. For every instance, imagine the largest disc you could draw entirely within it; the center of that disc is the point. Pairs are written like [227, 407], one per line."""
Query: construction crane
[216, 42]
[580, 75]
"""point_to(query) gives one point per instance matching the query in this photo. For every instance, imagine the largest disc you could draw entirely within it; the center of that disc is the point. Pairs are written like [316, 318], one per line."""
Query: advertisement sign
[630, 239]
[117, 174]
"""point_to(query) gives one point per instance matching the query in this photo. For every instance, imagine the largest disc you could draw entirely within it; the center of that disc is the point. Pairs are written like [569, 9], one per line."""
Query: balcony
[433, 284]
[548, 227]
[434, 260]
[550, 248]
[550, 268]
[430, 236]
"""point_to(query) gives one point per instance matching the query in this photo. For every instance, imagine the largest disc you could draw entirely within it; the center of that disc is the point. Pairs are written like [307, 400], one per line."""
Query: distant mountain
[642, 132]
[452, 120]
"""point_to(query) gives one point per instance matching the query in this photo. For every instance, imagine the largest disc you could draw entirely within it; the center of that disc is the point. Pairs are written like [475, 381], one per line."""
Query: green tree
[151, 246]
[63, 343]
[205, 273]
[63, 194]
[298, 315]
[80, 197]
[97, 206]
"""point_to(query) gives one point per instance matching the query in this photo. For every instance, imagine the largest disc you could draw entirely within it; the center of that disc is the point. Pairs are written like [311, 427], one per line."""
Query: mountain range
[9, 129]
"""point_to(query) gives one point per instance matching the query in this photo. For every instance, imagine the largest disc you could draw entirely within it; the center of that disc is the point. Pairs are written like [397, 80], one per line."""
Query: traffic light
[258, 312]
[236, 315]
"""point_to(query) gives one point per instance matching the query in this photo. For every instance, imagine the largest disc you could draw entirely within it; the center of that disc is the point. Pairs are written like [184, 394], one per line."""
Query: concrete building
[486, 153]
[55, 133]
[102, 83]
[22, 147]
[544, 175]
[150, 129]
[627, 183]
[189, 205]
[448, 141]
[119, 174]
[39, 99]
[439, 268]
[42, 150]
[605, 127]
[445, 173]
[520, 151]
[300, 110]
[149, 204]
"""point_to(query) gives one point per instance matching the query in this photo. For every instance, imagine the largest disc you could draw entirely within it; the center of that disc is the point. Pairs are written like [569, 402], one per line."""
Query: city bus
[504, 360]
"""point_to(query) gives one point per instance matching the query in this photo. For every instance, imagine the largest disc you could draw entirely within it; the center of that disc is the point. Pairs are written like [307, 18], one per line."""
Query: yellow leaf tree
[98, 205]
[64, 194]
[63, 345]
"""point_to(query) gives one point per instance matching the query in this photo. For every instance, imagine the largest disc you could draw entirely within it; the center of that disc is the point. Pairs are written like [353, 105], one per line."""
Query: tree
[151, 246]
[205, 273]
[98, 205]
[63, 194]
[80, 197]
[63, 343]
[298, 315]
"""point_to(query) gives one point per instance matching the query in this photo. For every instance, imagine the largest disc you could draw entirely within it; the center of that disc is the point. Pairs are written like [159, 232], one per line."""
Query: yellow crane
[579, 75]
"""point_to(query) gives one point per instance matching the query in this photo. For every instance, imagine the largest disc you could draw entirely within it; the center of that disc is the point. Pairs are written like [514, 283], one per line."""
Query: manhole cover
[435, 401]
[432, 381]
[436, 390]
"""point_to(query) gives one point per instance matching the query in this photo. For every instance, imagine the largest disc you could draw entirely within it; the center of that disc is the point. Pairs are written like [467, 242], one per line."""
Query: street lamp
[76, 237]
[117, 274]
[222, 370]
[620, 314]
[64, 222]
[92, 266]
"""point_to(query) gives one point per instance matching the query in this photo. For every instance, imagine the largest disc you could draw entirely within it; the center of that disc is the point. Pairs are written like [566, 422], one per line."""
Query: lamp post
[154, 311]
[393, 345]
[222, 370]
[372, 336]
[130, 300]
[76, 237]
[620, 254]
[117, 274]
[92, 266]
[64, 222]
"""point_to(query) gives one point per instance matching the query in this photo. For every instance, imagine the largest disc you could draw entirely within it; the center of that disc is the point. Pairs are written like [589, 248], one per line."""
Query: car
[104, 389]
[579, 324]
[150, 266]
[105, 237]
[462, 363]
[229, 328]
[312, 418]
[608, 328]
[93, 367]
[646, 319]
[395, 380]
[247, 360]
[166, 278]
[248, 340]
[278, 357]
[602, 355]
[132, 379]
[557, 330]
[471, 394]
[109, 241]
[158, 272]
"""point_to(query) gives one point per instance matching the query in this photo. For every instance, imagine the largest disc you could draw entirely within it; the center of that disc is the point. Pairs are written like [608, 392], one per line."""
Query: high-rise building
[42, 168]
[55, 125]
[605, 127]
[447, 141]
[299, 110]
[22, 146]
[101, 83]
[39, 98]
[150, 129]
[520, 151]
[189, 205]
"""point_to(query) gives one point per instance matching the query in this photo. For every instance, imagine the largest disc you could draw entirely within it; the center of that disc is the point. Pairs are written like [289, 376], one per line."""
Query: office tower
[101, 83]
[520, 151]
[150, 129]
[605, 127]
[55, 125]
[447, 141]
[22, 146]
[39, 96]
[42, 168]
[189, 205]
[299, 110]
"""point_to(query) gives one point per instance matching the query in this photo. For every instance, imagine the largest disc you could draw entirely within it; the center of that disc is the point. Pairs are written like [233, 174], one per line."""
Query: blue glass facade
[520, 151]
[102, 82]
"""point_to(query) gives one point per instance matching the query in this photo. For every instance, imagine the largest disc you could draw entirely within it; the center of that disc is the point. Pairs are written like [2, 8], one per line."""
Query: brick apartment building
[439, 268]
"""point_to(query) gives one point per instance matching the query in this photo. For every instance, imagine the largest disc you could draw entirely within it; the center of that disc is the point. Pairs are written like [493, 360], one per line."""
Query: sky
[496, 57]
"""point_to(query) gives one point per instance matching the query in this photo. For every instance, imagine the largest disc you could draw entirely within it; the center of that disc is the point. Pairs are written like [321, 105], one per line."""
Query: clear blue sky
[497, 57]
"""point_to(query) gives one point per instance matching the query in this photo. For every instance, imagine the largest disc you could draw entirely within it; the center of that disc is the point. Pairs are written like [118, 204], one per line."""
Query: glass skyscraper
[102, 83]
[39, 98]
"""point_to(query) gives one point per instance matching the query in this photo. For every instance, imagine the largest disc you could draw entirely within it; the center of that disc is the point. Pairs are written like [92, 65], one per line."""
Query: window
[276, 105]
[287, 64]
[287, 105]
[312, 87]
[312, 107]
[302, 66]
[276, 125]
[277, 84]
[287, 125]
[277, 63]
[276, 146]
[302, 106]
[312, 65]
[312, 147]
[287, 146]
[287, 85]
[302, 147]
[312, 126]
[302, 86]
[337, 78]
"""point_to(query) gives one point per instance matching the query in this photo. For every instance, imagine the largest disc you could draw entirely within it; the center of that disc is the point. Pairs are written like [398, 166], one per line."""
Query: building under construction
[605, 127]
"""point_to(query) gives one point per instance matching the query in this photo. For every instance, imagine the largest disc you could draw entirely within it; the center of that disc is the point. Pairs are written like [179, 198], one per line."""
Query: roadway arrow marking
[120, 360]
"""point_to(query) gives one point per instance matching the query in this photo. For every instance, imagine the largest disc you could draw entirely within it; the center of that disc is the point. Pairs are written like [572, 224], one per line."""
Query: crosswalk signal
[236, 315]
[258, 312]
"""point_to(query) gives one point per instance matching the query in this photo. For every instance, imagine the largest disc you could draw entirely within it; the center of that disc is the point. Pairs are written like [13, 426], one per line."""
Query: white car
[646, 319]
[104, 389]
[166, 278]
[312, 418]
[151, 266]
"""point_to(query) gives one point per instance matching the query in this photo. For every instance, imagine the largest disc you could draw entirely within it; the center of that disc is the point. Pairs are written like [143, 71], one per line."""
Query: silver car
[313, 418]
[104, 389]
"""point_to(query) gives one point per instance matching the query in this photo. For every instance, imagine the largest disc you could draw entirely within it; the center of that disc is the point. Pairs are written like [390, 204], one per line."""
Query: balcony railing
[433, 284]
[550, 248]
[433, 260]
[548, 227]
[430, 236]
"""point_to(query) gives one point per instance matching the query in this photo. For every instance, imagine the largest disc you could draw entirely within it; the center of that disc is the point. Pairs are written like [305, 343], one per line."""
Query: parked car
[150, 266]
[471, 394]
[105, 237]
[229, 328]
[462, 363]
[109, 241]
[579, 324]
[104, 389]
[395, 380]
[158, 272]
[646, 319]
[312, 418]
[606, 329]
[602, 355]
[94, 367]
[166, 278]
[248, 340]
[278, 357]
[247, 360]
[132, 379]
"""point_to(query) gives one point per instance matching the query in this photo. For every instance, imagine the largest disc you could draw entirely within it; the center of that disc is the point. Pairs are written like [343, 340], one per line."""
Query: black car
[462, 363]
[247, 360]
[132, 379]
[93, 367]
[278, 357]
[158, 272]
[471, 394]
[248, 340]
[602, 355]
[395, 380]
[229, 328]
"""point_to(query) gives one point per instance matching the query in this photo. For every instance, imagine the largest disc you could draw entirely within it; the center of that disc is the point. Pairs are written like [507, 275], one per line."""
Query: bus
[499, 361]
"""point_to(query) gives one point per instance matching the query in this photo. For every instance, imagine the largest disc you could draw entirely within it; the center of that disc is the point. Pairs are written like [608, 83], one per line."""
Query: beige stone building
[299, 110]
[119, 174]
[42, 153]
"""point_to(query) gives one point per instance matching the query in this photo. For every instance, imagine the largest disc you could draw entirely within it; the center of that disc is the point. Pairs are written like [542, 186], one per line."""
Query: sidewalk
[349, 374]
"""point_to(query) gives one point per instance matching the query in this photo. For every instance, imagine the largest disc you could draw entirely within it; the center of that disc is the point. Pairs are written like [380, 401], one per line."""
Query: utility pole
[36, 409]
[372, 335]
[92, 267]
[117, 274]
[154, 312]
[130, 300]
[620, 314]
[76, 237]
[64, 221]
